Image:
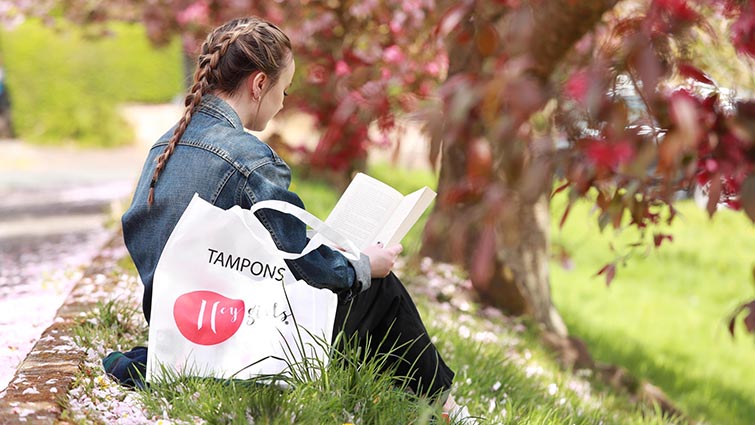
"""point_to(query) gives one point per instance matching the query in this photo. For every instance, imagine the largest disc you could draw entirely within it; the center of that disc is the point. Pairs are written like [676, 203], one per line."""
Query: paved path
[51, 223]
[54, 203]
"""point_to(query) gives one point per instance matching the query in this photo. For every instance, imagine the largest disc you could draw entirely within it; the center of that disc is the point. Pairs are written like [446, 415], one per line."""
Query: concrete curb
[43, 379]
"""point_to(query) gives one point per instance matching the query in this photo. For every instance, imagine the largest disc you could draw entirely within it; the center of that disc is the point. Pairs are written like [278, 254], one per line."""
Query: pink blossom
[342, 68]
[195, 13]
[395, 27]
[711, 165]
[577, 86]
[393, 54]
[363, 9]
[409, 6]
[609, 155]
[316, 74]
[397, 22]
[433, 68]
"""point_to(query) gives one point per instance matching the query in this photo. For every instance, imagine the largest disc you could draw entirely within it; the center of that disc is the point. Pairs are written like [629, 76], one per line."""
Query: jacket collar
[217, 107]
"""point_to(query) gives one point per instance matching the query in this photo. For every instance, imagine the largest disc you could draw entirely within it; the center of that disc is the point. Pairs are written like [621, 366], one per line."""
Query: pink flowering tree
[602, 97]
[358, 62]
[362, 63]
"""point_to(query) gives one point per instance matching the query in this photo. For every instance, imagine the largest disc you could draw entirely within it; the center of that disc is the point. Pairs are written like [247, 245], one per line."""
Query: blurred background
[74, 136]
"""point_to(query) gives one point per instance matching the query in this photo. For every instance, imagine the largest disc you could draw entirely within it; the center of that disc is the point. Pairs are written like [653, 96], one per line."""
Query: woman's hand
[382, 259]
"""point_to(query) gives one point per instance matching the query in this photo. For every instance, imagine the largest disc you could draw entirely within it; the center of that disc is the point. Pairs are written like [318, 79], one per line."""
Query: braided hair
[229, 54]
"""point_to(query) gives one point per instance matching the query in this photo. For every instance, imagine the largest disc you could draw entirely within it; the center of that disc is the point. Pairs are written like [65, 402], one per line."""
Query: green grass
[353, 390]
[65, 85]
[502, 374]
[664, 316]
[511, 379]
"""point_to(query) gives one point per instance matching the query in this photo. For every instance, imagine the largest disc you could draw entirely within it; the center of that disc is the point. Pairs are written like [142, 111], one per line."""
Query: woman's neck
[243, 105]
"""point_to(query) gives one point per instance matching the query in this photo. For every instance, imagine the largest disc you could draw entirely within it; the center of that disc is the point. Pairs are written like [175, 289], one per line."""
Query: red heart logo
[206, 317]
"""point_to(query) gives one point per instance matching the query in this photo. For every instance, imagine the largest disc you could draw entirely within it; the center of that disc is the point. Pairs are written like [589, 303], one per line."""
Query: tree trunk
[508, 258]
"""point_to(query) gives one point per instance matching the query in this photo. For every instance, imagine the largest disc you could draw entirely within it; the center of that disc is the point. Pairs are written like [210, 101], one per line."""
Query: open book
[371, 211]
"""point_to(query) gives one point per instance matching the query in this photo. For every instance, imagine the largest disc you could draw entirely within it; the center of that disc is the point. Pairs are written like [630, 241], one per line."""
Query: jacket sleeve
[322, 268]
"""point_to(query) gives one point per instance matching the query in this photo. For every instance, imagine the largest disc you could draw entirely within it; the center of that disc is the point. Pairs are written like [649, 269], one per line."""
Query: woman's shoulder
[238, 147]
[249, 151]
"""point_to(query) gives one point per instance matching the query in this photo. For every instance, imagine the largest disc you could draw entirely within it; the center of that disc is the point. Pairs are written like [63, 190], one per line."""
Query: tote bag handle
[351, 251]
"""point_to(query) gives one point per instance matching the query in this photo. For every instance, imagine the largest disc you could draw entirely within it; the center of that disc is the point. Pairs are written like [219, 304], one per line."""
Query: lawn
[664, 316]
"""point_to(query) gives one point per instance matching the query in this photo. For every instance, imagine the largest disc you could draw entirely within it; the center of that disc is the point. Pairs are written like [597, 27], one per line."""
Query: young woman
[240, 82]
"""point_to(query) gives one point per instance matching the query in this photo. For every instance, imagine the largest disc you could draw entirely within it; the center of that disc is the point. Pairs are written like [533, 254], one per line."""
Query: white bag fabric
[219, 308]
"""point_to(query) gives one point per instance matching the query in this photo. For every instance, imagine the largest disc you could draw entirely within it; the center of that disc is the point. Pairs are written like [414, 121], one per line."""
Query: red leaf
[609, 155]
[689, 71]
[743, 32]
[672, 214]
[733, 320]
[627, 26]
[617, 213]
[560, 189]
[678, 10]
[659, 237]
[487, 39]
[714, 194]
[647, 62]
[479, 160]
[609, 270]
[749, 319]
[563, 217]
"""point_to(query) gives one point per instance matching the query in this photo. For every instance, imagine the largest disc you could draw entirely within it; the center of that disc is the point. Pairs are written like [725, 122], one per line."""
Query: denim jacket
[227, 166]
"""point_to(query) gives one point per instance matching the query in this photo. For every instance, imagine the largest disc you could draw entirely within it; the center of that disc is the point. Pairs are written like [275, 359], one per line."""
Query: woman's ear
[257, 82]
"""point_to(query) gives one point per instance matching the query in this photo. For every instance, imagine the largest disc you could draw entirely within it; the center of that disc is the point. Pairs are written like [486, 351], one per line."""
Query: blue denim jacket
[227, 166]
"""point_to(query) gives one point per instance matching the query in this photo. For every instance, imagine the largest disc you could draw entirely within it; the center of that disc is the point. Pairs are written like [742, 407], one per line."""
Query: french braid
[229, 54]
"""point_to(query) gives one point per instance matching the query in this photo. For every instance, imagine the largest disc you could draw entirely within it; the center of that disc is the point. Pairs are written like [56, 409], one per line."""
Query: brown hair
[229, 54]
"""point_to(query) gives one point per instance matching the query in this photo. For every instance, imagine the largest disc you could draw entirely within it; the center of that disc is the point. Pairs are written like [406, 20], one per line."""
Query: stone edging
[44, 378]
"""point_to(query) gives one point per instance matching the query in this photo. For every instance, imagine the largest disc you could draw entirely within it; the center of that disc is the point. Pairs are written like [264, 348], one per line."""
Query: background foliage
[66, 85]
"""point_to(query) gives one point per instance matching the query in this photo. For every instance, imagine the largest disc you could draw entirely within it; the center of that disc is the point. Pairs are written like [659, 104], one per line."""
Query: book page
[363, 209]
[404, 216]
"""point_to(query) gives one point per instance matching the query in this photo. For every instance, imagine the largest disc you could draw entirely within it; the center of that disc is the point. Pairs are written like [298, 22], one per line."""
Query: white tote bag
[224, 303]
